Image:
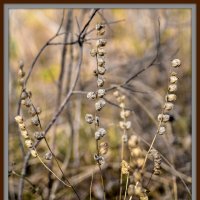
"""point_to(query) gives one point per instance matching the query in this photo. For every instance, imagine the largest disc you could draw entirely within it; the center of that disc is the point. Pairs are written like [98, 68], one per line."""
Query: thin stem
[91, 186]
[126, 186]
[51, 171]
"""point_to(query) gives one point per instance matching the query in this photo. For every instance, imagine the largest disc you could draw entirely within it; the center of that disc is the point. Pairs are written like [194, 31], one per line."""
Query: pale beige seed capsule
[121, 125]
[22, 126]
[170, 97]
[101, 32]
[93, 52]
[99, 26]
[91, 95]
[101, 70]
[34, 153]
[133, 141]
[38, 110]
[124, 167]
[116, 93]
[100, 82]
[100, 104]
[172, 88]
[162, 130]
[101, 93]
[48, 156]
[136, 152]
[19, 119]
[176, 63]
[128, 125]
[23, 102]
[173, 79]
[24, 95]
[24, 133]
[32, 110]
[101, 62]
[103, 148]
[168, 106]
[101, 43]
[140, 162]
[28, 143]
[122, 105]
[163, 117]
[35, 120]
[89, 118]
[101, 51]
[21, 73]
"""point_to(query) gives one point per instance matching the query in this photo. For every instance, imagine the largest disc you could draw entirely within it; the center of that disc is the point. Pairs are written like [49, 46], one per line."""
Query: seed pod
[39, 135]
[157, 161]
[28, 102]
[136, 152]
[116, 93]
[89, 118]
[22, 126]
[173, 79]
[19, 119]
[168, 106]
[91, 95]
[93, 52]
[140, 162]
[24, 133]
[29, 143]
[100, 104]
[101, 70]
[48, 156]
[99, 26]
[170, 97]
[176, 63]
[128, 125]
[172, 88]
[100, 82]
[133, 141]
[173, 73]
[124, 138]
[24, 95]
[38, 110]
[35, 120]
[121, 98]
[102, 131]
[21, 73]
[161, 130]
[124, 114]
[101, 32]
[23, 102]
[97, 135]
[32, 110]
[125, 167]
[34, 153]
[101, 43]
[101, 62]
[103, 148]
[122, 105]
[101, 51]
[163, 117]
[101, 92]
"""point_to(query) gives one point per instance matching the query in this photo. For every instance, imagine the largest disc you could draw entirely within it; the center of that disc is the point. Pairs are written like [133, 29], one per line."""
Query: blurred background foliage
[131, 46]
